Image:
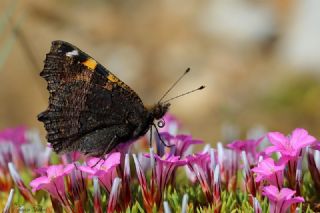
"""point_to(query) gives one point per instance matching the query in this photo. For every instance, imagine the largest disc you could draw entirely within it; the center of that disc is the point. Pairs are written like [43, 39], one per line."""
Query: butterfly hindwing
[87, 103]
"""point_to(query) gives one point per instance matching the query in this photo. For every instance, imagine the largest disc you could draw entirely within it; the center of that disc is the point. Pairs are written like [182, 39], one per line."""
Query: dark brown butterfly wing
[88, 105]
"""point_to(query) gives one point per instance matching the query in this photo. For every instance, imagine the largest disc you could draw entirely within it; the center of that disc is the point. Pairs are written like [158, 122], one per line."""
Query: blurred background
[259, 60]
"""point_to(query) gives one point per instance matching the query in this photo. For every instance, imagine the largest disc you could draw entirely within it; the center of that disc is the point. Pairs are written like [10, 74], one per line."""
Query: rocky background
[259, 59]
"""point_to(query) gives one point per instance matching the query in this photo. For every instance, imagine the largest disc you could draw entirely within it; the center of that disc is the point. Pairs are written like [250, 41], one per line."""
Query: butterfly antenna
[174, 84]
[186, 93]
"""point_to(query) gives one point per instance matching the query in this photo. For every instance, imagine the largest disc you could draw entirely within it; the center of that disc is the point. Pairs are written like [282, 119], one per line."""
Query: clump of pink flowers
[264, 174]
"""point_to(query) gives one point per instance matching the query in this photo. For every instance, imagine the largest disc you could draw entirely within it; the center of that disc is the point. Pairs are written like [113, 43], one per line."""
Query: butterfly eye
[161, 123]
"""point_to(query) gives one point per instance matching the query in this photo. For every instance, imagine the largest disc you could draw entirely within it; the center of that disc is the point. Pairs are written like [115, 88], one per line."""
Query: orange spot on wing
[90, 63]
[112, 78]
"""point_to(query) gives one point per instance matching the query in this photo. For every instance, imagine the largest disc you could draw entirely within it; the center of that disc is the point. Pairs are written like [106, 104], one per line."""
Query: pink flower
[316, 146]
[290, 147]
[107, 176]
[181, 143]
[162, 169]
[66, 185]
[104, 169]
[165, 166]
[52, 180]
[267, 170]
[202, 159]
[17, 135]
[203, 166]
[98, 166]
[281, 200]
[249, 146]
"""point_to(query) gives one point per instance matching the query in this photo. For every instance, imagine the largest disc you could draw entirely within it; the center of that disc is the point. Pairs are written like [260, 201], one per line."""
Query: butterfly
[90, 109]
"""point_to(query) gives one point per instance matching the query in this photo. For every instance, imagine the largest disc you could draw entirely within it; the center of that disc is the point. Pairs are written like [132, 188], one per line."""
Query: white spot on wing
[72, 53]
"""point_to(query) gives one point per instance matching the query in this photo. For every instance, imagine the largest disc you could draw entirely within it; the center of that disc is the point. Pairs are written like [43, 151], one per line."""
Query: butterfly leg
[166, 145]
[103, 156]
[150, 141]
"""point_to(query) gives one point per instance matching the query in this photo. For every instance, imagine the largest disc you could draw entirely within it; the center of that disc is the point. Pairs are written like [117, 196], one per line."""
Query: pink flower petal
[38, 182]
[300, 138]
[271, 149]
[292, 201]
[277, 139]
[286, 194]
[316, 146]
[87, 169]
[271, 192]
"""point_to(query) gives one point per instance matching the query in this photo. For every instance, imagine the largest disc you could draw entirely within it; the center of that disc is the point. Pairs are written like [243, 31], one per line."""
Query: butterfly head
[159, 110]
